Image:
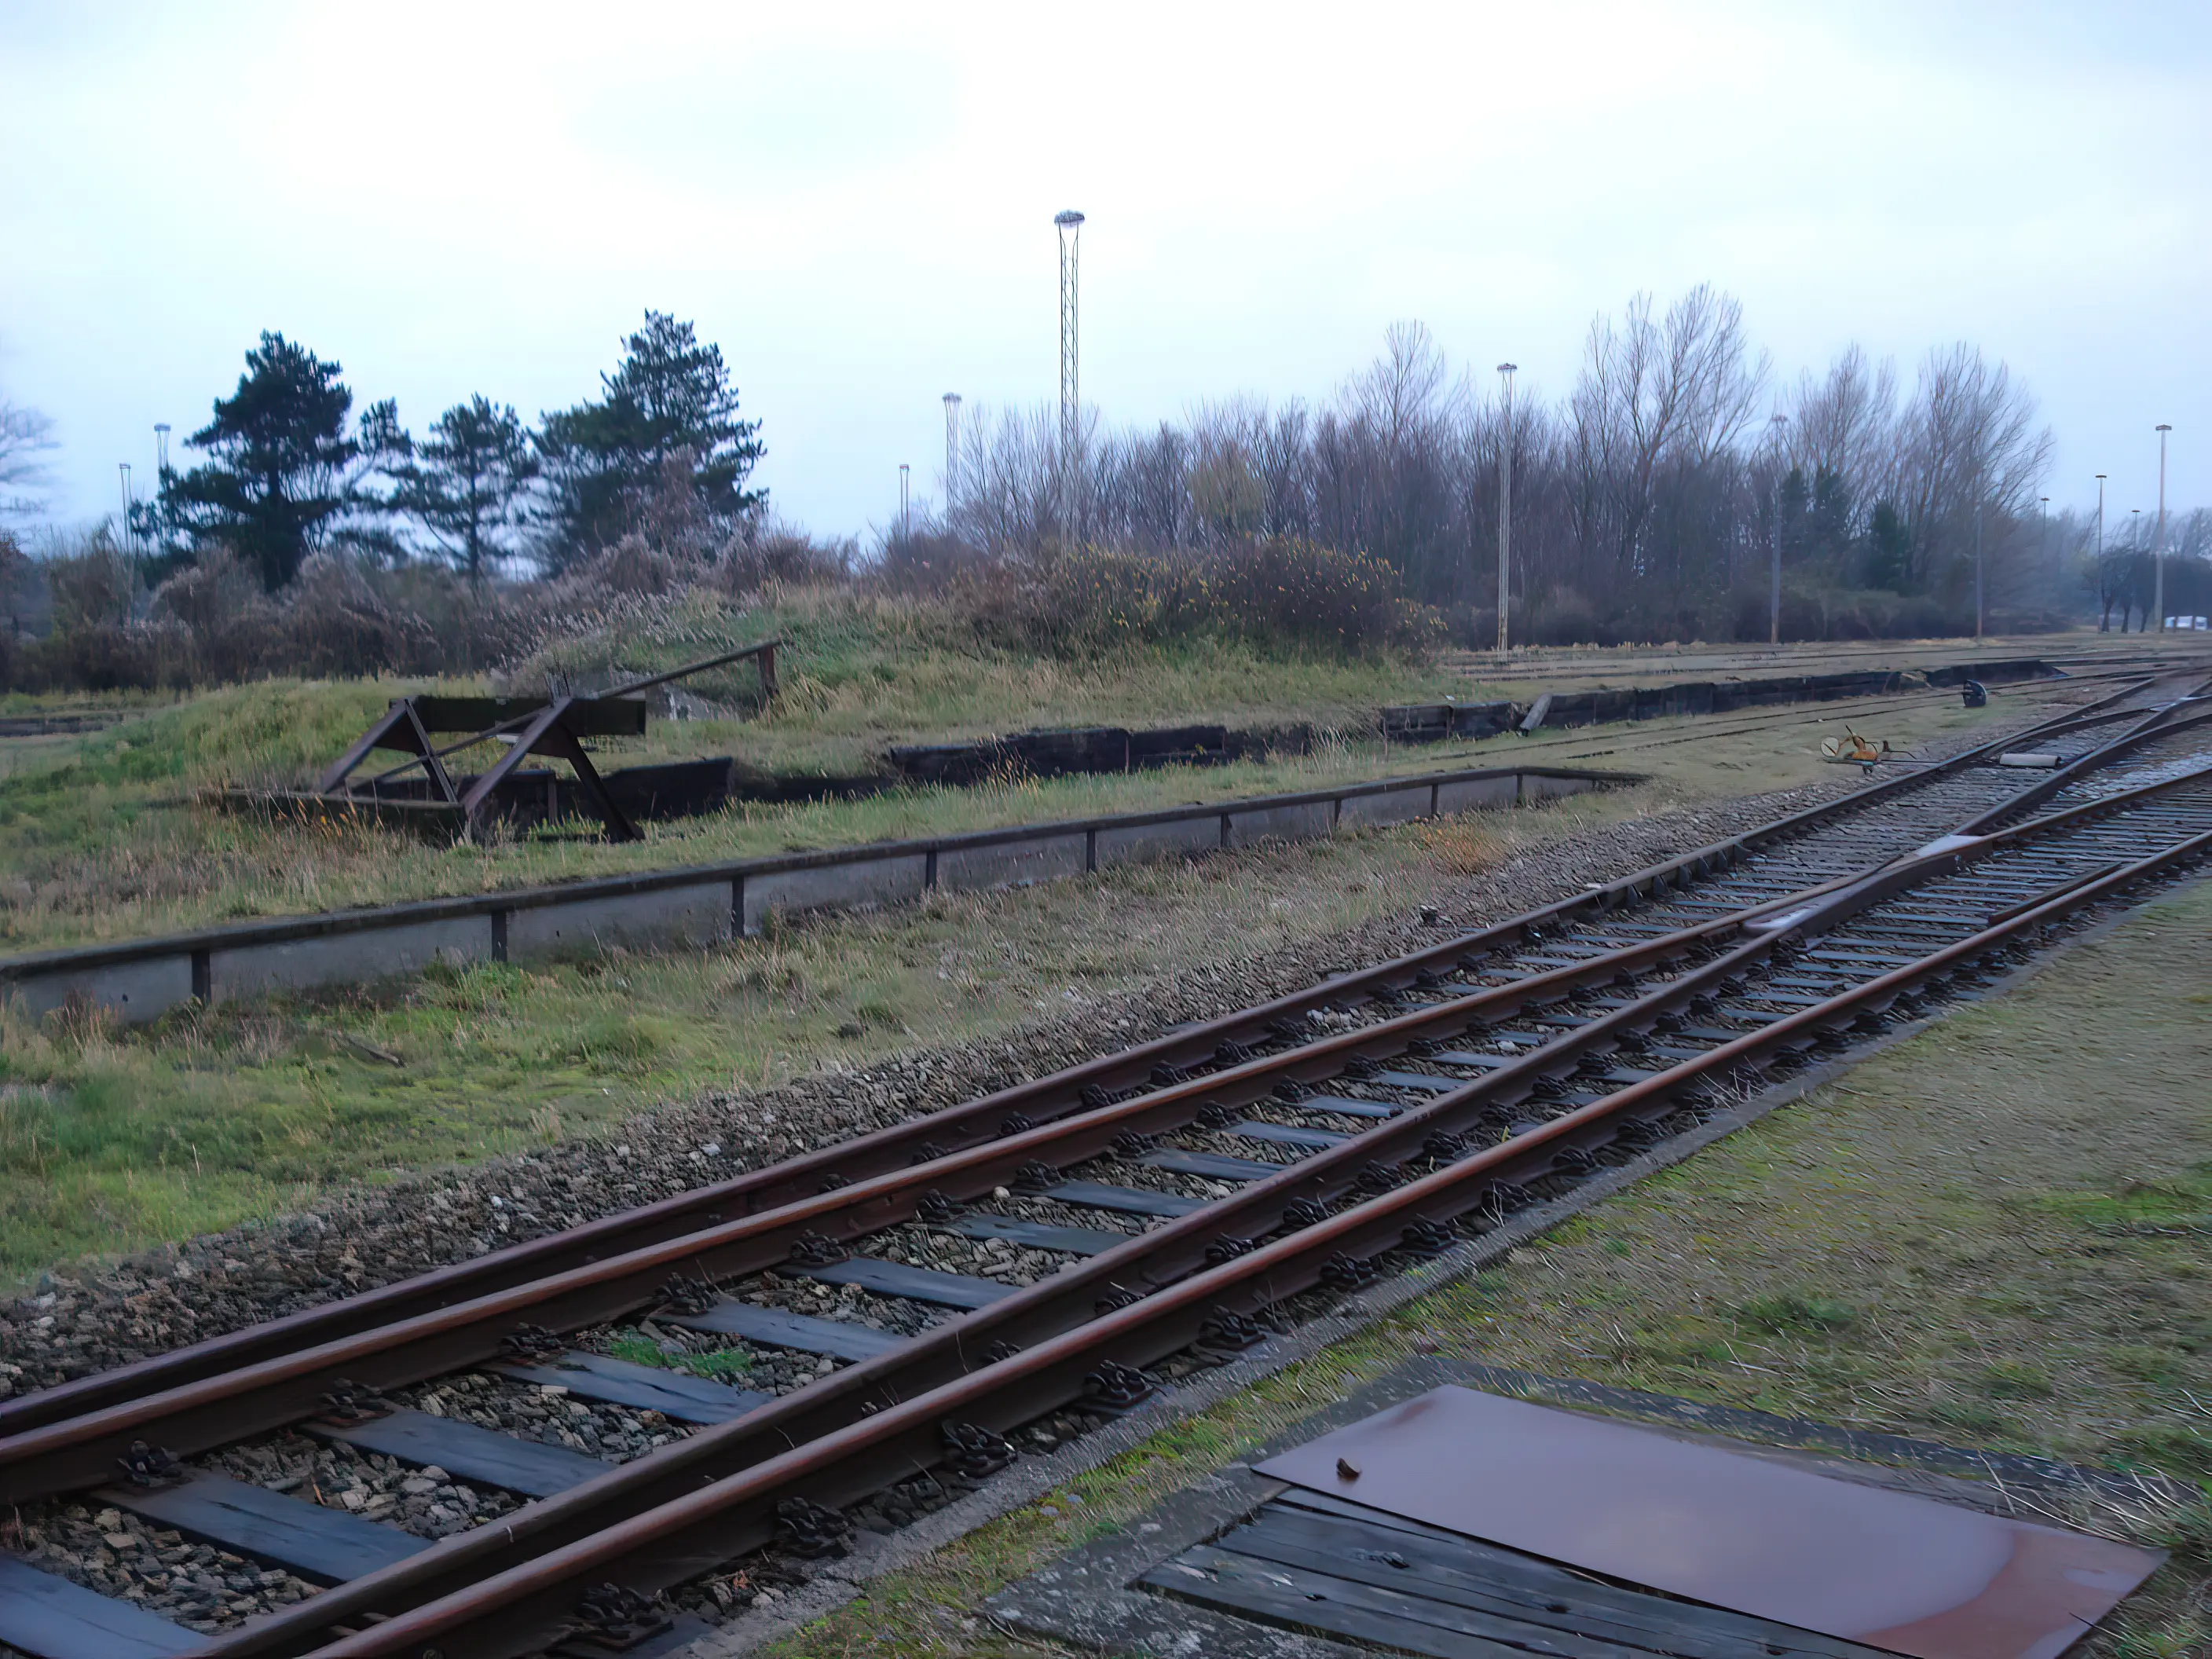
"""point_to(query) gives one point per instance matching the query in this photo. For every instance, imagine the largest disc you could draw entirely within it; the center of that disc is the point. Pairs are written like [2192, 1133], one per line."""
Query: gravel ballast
[94, 1316]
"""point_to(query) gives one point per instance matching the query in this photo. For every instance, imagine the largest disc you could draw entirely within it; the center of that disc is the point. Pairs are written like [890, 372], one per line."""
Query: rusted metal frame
[1040, 1311]
[703, 1528]
[431, 757]
[765, 651]
[525, 740]
[1042, 1099]
[547, 734]
[362, 745]
[403, 716]
[560, 741]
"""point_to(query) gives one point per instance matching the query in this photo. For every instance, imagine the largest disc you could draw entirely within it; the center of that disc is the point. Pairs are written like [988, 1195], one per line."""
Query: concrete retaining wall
[841, 886]
[1012, 863]
[1307, 821]
[697, 914]
[1390, 807]
[346, 958]
[1478, 794]
[141, 979]
[1141, 844]
[138, 991]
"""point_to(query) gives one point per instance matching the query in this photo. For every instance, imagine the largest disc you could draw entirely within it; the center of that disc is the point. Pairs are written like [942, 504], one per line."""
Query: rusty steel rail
[1040, 1100]
[211, 1412]
[1168, 1253]
[513, 1588]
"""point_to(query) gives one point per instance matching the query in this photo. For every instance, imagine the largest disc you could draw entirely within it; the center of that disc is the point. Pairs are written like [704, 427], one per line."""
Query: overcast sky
[857, 205]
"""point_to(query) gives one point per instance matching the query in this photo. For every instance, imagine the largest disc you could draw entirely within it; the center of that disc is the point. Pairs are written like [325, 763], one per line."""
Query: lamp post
[1506, 372]
[2158, 552]
[1774, 594]
[2134, 550]
[2043, 533]
[906, 514]
[1978, 517]
[123, 471]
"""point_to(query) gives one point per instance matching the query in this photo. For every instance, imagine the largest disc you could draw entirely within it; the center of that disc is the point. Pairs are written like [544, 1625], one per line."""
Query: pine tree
[279, 453]
[1888, 548]
[466, 486]
[669, 405]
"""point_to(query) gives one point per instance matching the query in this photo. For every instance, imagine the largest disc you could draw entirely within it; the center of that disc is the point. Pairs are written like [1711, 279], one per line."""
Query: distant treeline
[1646, 503]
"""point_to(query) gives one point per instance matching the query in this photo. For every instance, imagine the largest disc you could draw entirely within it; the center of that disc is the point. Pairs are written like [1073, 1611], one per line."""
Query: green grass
[107, 835]
[111, 1141]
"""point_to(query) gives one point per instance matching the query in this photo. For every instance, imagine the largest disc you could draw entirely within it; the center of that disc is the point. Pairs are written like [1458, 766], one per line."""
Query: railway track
[1290, 1150]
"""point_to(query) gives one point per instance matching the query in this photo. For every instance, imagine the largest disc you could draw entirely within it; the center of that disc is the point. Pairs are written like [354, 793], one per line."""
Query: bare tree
[1659, 403]
[1969, 448]
[1640, 501]
[1845, 424]
[25, 436]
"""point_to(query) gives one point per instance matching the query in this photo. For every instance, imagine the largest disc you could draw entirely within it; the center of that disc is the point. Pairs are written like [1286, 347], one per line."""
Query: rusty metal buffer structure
[554, 727]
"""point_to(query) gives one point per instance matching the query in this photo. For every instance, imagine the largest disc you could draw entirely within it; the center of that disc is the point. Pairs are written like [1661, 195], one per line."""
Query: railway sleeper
[1487, 1188]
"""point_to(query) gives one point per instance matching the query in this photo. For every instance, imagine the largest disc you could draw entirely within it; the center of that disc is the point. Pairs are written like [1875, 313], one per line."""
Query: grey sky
[856, 204]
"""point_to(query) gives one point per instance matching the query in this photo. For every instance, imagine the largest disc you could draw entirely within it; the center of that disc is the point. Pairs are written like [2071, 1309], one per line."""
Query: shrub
[1277, 594]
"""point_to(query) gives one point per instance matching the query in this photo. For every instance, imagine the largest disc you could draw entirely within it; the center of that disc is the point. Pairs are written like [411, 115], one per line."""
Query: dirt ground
[1996, 1234]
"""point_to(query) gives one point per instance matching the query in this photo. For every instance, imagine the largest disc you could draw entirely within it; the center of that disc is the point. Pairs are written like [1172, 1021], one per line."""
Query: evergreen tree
[1888, 548]
[1828, 519]
[467, 486]
[369, 491]
[279, 453]
[669, 408]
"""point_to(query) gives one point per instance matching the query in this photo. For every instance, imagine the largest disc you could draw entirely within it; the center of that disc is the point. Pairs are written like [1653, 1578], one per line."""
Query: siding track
[1274, 1159]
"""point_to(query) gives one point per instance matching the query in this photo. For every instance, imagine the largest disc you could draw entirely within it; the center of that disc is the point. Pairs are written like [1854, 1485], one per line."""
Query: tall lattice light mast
[951, 452]
[1070, 224]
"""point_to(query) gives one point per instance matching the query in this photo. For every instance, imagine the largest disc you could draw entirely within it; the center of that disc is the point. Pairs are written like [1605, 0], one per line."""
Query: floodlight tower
[952, 451]
[161, 445]
[1070, 225]
[906, 510]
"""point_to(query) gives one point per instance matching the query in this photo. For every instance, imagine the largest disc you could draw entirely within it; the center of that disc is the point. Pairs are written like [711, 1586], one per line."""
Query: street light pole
[2134, 551]
[1978, 517]
[2106, 622]
[2158, 553]
[906, 515]
[2043, 533]
[1774, 596]
[1504, 502]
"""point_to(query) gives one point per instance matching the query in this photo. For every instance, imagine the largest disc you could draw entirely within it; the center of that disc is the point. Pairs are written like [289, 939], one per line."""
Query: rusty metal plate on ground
[1863, 1563]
